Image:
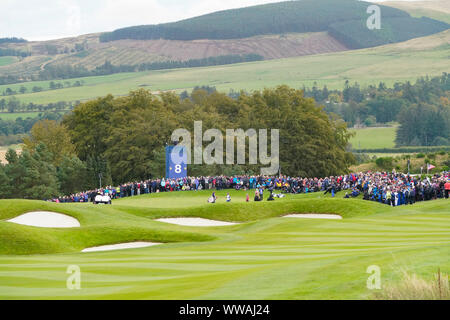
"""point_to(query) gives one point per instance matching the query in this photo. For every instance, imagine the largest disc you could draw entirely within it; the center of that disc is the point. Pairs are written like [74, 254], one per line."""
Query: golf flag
[430, 166]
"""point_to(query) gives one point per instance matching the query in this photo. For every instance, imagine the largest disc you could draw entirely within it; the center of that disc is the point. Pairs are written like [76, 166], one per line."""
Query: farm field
[374, 138]
[390, 63]
[4, 61]
[264, 257]
[14, 115]
[89, 81]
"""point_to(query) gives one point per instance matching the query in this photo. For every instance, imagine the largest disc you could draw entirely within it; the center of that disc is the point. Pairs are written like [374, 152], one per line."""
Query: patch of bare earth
[131, 52]
[270, 47]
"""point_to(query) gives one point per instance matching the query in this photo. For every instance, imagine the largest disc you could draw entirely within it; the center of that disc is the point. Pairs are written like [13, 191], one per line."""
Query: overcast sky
[52, 19]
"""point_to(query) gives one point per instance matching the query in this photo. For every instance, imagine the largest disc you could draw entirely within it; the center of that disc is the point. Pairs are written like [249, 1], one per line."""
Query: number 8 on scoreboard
[176, 162]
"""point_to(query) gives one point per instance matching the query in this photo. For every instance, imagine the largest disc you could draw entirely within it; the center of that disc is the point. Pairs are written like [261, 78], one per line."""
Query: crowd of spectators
[390, 188]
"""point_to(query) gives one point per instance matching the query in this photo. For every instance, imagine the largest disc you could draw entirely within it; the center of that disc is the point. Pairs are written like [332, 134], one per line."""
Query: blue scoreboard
[176, 162]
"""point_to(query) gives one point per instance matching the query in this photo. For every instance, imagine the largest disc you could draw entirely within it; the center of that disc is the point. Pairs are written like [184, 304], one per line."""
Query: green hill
[374, 138]
[345, 19]
[391, 63]
[4, 61]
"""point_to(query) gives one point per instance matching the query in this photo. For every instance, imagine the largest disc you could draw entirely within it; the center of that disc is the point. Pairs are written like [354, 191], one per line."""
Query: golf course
[264, 255]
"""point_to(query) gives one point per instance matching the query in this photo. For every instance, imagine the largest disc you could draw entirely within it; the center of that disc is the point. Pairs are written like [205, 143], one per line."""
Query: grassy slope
[4, 61]
[401, 161]
[374, 138]
[270, 258]
[435, 9]
[390, 63]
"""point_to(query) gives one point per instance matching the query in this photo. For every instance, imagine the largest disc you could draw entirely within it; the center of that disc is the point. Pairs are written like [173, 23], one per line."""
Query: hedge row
[405, 149]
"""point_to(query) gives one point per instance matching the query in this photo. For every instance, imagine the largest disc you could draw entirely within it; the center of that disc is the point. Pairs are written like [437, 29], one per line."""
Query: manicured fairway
[265, 257]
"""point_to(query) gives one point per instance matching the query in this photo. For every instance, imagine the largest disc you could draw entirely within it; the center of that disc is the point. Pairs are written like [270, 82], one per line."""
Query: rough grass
[412, 287]
[266, 257]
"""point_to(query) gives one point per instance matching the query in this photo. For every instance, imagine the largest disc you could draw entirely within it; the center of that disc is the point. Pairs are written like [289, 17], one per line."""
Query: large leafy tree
[141, 126]
[56, 138]
[89, 126]
[129, 133]
[311, 143]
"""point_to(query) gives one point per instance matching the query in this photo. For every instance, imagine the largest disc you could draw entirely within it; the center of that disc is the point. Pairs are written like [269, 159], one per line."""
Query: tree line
[12, 40]
[57, 72]
[124, 138]
[51, 86]
[12, 105]
[23, 125]
[68, 71]
[422, 108]
[13, 52]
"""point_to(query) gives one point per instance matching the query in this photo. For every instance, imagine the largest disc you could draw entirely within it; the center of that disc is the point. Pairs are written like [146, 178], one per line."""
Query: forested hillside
[345, 19]
[356, 35]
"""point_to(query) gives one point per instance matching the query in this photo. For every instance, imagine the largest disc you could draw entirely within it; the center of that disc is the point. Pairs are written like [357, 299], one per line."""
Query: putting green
[265, 257]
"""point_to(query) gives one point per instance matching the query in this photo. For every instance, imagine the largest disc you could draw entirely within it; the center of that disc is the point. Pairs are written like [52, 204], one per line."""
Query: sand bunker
[121, 246]
[46, 219]
[196, 222]
[314, 216]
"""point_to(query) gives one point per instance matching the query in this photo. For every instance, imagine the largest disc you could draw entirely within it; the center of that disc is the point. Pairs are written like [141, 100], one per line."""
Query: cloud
[73, 19]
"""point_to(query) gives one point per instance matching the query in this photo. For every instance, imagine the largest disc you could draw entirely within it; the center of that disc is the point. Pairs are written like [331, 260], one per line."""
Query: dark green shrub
[385, 163]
